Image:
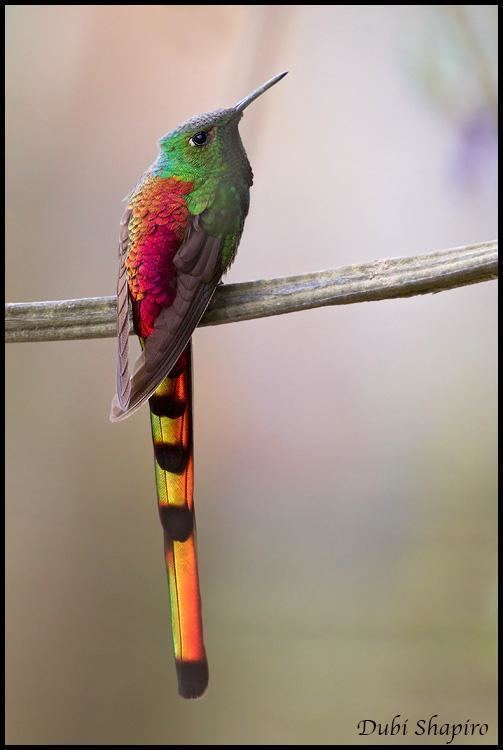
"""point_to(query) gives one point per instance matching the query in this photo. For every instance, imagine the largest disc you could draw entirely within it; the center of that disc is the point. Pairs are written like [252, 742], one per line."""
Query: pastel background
[346, 457]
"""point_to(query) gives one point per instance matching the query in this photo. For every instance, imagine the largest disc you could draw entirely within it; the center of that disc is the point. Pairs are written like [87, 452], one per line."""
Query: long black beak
[240, 106]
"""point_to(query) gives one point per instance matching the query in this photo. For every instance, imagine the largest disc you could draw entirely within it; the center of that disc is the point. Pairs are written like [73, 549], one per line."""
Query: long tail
[171, 419]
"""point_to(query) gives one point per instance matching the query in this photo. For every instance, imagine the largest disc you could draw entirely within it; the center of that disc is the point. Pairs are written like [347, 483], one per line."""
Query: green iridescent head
[209, 144]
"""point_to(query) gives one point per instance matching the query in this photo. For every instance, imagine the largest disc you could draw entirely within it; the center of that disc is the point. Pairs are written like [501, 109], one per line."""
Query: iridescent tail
[171, 419]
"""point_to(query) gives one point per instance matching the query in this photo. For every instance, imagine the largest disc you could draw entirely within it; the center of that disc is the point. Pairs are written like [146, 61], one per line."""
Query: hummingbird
[179, 235]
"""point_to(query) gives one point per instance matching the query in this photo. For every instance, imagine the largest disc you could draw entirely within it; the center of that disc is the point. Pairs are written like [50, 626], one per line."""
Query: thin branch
[382, 279]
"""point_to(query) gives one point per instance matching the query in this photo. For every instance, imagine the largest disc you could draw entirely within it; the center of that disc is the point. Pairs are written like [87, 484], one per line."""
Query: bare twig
[382, 279]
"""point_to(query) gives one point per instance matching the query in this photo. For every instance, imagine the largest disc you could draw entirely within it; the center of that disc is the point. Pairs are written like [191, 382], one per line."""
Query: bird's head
[210, 144]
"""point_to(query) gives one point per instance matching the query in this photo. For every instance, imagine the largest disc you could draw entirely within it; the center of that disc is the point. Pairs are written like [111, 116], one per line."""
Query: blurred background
[345, 457]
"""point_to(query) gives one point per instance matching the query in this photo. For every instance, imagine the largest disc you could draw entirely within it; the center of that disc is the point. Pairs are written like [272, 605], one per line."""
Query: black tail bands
[172, 458]
[177, 522]
[171, 420]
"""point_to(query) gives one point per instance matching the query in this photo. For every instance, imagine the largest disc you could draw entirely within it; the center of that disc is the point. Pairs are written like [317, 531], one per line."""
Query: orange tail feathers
[171, 420]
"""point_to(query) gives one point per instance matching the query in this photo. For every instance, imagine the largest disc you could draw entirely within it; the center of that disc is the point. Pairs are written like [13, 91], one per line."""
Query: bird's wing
[198, 271]
[123, 382]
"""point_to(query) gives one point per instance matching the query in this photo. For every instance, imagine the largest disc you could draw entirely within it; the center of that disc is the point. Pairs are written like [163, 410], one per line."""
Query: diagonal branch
[382, 279]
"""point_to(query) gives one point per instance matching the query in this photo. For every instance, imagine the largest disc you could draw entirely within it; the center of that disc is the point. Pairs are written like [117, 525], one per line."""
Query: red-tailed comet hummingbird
[179, 235]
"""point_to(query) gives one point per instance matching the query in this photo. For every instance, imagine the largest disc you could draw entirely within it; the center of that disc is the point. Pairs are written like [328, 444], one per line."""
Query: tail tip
[192, 678]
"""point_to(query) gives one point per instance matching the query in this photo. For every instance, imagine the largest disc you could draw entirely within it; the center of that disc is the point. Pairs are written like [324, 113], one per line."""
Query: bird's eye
[199, 139]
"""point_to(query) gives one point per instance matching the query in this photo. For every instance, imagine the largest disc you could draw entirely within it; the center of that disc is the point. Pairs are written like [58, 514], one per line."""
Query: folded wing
[198, 271]
[123, 382]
